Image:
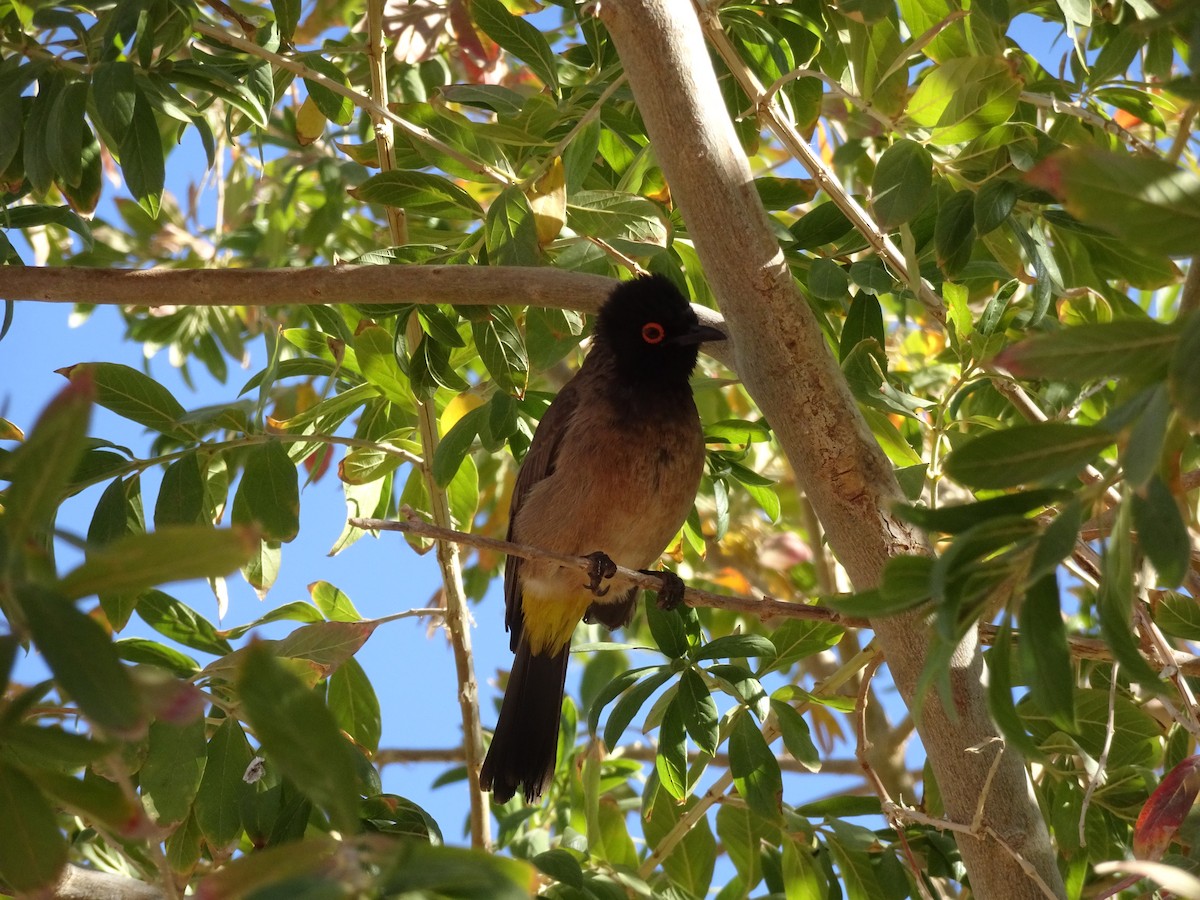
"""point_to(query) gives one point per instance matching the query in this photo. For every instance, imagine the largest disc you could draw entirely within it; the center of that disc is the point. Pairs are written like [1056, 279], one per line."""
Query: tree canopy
[945, 546]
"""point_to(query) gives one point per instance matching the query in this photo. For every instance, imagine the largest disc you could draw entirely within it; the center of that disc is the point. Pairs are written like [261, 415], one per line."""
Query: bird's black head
[651, 330]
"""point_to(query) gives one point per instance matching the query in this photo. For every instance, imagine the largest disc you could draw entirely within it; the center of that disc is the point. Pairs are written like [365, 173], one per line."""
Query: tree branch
[765, 609]
[785, 364]
[319, 285]
[78, 883]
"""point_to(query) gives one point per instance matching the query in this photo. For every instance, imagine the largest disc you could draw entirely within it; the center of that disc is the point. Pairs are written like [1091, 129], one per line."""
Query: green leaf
[737, 646]
[174, 553]
[627, 707]
[502, 349]
[49, 747]
[1058, 540]
[170, 777]
[181, 494]
[754, 768]
[827, 280]
[83, 660]
[1043, 652]
[510, 233]
[1136, 737]
[333, 106]
[667, 628]
[796, 736]
[33, 851]
[1183, 380]
[670, 762]
[690, 864]
[993, 204]
[1000, 694]
[1129, 196]
[963, 97]
[134, 396]
[1161, 531]
[333, 603]
[354, 705]
[560, 865]
[802, 877]
[550, 334]
[422, 193]
[740, 832]
[1138, 347]
[1114, 603]
[622, 218]
[65, 129]
[823, 224]
[740, 683]
[958, 517]
[864, 321]
[519, 38]
[41, 467]
[300, 735]
[375, 354]
[796, 639]
[152, 653]
[1178, 616]
[268, 496]
[852, 847]
[698, 710]
[181, 623]
[142, 160]
[38, 169]
[902, 183]
[223, 788]
[954, 234]
[456, 444]
[1025, 454]
[287, 16]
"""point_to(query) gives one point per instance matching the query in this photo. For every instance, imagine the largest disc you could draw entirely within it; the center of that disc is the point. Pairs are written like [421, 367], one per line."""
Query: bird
[611, 473]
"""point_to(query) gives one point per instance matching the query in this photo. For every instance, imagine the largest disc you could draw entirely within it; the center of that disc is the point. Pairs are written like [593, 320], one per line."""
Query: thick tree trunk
[784, 361]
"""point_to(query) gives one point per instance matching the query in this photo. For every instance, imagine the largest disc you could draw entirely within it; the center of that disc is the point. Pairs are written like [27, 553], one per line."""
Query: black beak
[698, 335]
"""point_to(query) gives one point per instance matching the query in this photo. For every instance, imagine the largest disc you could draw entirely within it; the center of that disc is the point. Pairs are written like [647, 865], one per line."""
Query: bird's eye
[653, 333]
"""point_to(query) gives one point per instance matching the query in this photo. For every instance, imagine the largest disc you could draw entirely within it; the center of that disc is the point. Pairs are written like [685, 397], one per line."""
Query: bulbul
[612, 472]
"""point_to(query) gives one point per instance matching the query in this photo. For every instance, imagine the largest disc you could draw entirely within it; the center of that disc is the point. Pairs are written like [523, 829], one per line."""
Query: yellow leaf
[548, 200]
[457, 408]
[310, 122]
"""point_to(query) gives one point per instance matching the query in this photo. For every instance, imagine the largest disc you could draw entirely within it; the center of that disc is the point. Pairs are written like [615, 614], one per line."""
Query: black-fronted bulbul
[613, 469]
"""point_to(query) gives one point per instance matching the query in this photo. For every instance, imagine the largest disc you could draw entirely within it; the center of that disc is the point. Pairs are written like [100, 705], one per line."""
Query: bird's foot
[601, 568]
[670, 595]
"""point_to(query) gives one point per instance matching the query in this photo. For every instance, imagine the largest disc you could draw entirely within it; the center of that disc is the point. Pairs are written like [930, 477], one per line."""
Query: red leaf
[1166, 809]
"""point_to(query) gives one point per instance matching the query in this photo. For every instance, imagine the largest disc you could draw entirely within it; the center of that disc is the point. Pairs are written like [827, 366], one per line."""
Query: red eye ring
[653, 333]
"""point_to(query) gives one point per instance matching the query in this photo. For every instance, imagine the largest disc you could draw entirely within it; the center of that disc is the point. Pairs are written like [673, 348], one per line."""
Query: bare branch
[78, 883]
[765, 609]
[320, 285]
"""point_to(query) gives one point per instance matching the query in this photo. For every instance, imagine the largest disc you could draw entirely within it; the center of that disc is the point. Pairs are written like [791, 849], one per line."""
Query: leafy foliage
[1046, 204]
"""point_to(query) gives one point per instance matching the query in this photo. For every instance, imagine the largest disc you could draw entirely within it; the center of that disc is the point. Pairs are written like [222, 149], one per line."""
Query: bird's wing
[539, 463]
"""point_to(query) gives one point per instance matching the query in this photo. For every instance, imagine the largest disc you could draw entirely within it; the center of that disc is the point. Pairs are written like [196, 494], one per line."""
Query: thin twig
[1062, 107]
[766, 609]
[862, 748]
[777, 122]
[592, 112]
[456, 618]
[1102, 762]
[362, 101]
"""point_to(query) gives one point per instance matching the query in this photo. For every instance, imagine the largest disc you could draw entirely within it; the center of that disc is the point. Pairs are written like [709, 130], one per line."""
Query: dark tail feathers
[525, 742]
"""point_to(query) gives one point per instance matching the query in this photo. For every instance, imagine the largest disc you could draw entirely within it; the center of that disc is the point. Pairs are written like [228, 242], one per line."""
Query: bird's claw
[670, 594]
[600, 569]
